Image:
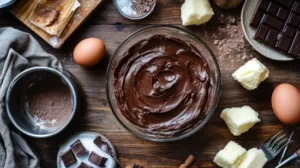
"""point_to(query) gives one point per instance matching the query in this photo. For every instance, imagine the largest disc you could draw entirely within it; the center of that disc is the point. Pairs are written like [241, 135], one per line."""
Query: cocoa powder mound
[49, 101]
[142, 6]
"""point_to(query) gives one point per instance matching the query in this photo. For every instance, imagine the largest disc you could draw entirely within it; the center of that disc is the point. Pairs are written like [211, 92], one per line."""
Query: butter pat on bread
[240, 119]
[254, 158]
[196, 12]
[251, 74]
[231, 156]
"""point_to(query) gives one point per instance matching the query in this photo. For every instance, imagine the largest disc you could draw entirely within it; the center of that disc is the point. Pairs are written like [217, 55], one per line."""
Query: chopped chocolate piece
[97, 160]
[256, 18]
[293, 19]
[68, 158]
[295, 47]
[262, 32]
[273, 8]
[78, 148]
[273, 22]
[283, 43]
[263, 4]
[83, 165]
[296, 7]
[282, 13]
[277, 23]
[289, 31]
[286, 3]
[103, 145]
[272, 37]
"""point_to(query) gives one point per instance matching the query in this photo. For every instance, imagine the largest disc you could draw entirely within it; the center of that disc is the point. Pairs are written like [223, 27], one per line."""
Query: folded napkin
[18, 51]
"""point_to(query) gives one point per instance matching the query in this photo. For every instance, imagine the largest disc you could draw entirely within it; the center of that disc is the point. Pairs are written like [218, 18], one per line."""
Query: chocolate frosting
[163, 85]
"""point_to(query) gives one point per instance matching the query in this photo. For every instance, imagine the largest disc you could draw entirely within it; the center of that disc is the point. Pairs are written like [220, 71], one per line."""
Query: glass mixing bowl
[186, 36]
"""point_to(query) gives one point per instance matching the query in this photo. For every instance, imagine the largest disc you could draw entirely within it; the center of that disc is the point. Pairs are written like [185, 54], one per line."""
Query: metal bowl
[16, 105]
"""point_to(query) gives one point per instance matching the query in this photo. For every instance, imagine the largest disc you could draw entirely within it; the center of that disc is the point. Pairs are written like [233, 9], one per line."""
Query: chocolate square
[83, 165]
[103, 145]
[78, 148]
[68, 158]
[97, 160]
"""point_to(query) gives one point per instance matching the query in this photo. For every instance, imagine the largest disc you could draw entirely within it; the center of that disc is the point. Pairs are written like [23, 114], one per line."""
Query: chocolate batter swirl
[163, 85]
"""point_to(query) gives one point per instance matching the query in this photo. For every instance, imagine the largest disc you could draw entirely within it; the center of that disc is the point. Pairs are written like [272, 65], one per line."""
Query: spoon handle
[294, 156]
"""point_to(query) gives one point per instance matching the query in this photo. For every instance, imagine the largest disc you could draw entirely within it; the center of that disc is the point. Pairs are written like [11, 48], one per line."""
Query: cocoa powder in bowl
[48, 101]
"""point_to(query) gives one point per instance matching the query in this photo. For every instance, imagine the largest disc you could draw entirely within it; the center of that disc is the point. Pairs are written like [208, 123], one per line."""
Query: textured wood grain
[24, 8]
[107, 24]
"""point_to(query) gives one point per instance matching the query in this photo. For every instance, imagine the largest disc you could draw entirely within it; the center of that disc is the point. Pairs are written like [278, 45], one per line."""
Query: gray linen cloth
[18, 51]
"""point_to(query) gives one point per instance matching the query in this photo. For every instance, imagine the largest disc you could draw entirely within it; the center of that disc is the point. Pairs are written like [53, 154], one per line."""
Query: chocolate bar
[68, 158]
[97, 160]
[84, 165]
[278, 25]
[78, 148]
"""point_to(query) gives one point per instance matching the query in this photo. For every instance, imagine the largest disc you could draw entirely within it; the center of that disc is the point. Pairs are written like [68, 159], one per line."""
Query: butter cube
[196, 12]
[230, 156]
[240, 119]
[251, 74]
[254, 158]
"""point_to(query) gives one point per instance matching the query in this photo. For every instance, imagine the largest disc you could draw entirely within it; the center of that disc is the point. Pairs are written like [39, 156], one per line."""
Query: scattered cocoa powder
[49, 101]
[232, 49]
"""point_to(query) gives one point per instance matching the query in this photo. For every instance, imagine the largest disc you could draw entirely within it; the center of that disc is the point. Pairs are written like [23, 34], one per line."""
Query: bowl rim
[215, 100]
[7, 4]
[41, 69]
[132, 17]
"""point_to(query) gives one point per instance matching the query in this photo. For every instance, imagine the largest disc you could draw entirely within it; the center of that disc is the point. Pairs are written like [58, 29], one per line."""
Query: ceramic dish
[6, 5]
[247, 12]
[86, 139]
[188, 37]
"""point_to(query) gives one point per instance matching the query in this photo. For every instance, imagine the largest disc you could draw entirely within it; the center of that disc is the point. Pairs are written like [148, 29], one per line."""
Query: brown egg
[286, 104]
[89, 52]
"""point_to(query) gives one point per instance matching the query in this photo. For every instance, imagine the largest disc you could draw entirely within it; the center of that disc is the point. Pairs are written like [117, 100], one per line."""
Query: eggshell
[89, 52]
[286, 104]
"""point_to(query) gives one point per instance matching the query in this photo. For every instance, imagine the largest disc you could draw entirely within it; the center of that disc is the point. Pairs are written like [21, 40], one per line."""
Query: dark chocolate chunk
[293, 19]
[282, 13]
[256, 18]
[295, 47]
[271, 38]
[296, 7]
[273, 8]
[273, 22]
[262, 32]
[78, 148]
[289, 31]
[283, 43]
[103, 145]
[97, 160]
[68, 158]
[263, 4]
[83, 165]
[286, 3]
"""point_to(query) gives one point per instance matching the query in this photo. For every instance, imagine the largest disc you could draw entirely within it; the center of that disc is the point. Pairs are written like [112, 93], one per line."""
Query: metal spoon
[294, 156]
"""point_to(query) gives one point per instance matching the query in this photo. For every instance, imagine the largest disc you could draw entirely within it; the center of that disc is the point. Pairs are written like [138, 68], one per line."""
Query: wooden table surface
[106, 23]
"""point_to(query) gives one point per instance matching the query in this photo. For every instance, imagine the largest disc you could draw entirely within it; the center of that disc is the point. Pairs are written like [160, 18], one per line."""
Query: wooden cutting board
[23, 9]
